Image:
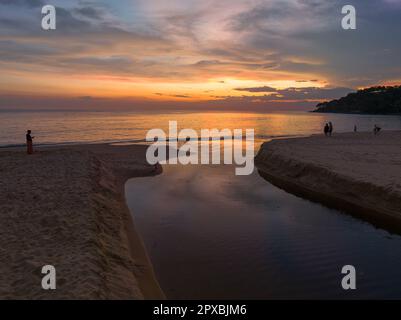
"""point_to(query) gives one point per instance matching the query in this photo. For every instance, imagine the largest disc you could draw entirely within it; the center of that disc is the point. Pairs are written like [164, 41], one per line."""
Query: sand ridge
[356, 172]
[66, 207]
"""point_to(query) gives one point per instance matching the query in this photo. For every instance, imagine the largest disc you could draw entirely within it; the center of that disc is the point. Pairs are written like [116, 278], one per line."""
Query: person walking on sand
[330, 129]
[326, 129]
[355, 128]
[29, 142]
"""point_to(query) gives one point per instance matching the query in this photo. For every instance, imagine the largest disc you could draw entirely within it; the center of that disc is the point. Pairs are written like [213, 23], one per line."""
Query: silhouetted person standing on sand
[330, 128]
[326, 129]
[355, 129]
[29, 142]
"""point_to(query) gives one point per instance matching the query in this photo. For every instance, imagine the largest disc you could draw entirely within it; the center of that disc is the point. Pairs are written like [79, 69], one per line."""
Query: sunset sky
[211, 54]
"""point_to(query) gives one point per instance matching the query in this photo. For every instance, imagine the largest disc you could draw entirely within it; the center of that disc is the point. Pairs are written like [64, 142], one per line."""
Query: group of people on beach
[328, 129]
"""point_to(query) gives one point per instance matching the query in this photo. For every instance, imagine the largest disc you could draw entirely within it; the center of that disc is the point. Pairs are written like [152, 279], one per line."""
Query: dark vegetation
[374, 100]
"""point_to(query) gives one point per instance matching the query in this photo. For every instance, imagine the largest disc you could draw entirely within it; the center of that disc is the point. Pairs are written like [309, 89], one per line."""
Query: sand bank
[66, 207]
[356, 172]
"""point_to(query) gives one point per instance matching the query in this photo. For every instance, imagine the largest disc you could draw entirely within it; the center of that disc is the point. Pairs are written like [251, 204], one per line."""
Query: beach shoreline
[357, 173]
[65, 206]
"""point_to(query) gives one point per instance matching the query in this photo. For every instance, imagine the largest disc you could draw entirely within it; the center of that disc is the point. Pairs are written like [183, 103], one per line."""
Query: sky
[211, 54]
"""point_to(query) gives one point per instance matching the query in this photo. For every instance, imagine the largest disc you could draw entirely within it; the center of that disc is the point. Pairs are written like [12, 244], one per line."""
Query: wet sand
[65, 207]
[356, 172]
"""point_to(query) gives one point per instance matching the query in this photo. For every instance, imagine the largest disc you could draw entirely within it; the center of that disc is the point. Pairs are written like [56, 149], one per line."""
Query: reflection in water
[211, 234]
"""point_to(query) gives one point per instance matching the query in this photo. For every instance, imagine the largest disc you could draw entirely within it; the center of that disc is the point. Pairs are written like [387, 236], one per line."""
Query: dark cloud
[258, 89]
[207, 63]
[275, 18]
[67, 22]
[112, 61]
[261, 104]
[180, 96]
[25, 3]
[308, 93]
[90, 12]
[311, 30]
[24, 52]
[173, 95]
[11, 24]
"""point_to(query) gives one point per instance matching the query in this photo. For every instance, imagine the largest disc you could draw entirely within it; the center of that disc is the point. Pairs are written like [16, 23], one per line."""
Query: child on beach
[29, 142]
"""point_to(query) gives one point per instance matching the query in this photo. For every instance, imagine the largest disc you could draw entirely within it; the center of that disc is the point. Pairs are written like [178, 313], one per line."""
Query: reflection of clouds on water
[211, 234]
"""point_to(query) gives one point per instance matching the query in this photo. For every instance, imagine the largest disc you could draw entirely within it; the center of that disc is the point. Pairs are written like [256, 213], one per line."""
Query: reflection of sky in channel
[211, 234]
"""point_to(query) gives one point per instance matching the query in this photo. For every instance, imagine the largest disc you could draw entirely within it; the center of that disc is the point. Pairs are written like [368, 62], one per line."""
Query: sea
[67, 127]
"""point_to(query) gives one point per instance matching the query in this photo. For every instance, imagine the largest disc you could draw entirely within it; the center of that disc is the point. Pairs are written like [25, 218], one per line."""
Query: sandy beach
[355, 172]
[65, 207]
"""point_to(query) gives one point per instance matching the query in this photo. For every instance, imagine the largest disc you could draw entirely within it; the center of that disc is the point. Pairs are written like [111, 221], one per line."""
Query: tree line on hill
[373, 100]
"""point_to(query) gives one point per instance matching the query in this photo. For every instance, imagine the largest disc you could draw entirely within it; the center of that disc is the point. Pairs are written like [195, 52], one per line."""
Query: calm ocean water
[76, 127]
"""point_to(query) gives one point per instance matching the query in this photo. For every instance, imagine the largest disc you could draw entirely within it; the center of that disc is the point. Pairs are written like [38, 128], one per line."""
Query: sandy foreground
[356, 172]
[65, 207]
